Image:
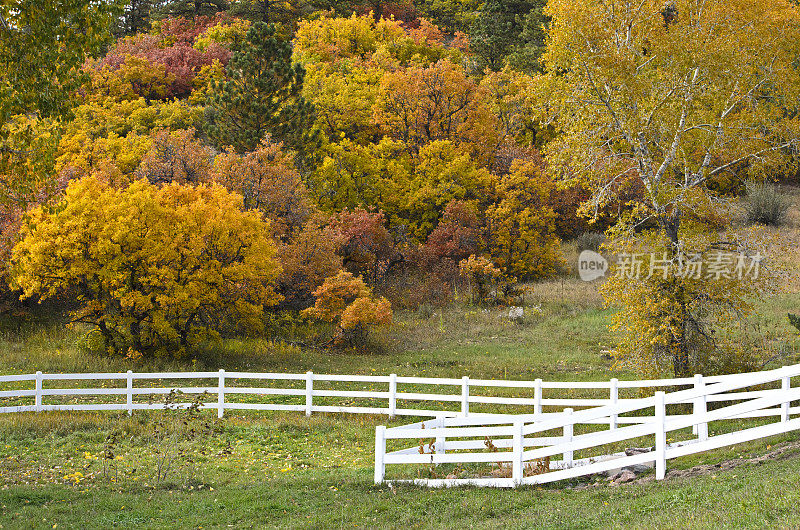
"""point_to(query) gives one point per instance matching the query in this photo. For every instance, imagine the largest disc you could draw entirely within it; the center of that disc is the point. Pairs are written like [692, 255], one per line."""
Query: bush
[348, 299]
[765, 204]
[590, 241]
[153, 270]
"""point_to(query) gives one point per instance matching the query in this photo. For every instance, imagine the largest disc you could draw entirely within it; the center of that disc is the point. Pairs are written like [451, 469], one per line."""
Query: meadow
[274, 469]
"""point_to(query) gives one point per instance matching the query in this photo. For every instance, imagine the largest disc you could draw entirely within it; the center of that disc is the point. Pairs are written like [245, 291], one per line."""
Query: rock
[623, 477]
[638, 468]
[637, 450]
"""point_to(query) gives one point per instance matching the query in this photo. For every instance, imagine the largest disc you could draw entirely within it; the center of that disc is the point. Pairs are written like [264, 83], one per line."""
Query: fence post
[537, 396]
[38, 397]
[568, 432]
[700, 428]
[614, 398]
[392, 395]
[309, 391]
[786, 384]
[221, 394]
[517, 472]
[380, 451]
[661, 436]
[465, 396]
[129, 393]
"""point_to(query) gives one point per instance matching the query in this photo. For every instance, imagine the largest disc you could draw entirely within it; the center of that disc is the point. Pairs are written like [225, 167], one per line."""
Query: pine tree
[496, 30]
[260, 95]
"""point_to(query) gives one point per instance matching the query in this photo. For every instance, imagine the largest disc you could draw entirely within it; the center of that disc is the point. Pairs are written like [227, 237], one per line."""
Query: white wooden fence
[531, 440]
[402, 396]
[540, 447]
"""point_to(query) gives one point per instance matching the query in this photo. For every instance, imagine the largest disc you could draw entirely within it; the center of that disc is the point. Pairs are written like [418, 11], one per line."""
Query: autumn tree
[178, 157]
[521, 227]
[412, 191]
[672, 96]
[458, 235]
[42, 46]
[307, 259]
[441, 173]
[154, 270]
[270, 183]
[112, 137]
[174, 54]
[363, 242]
[419, 105]
[353, 175]
[261, 94]
[347, 299]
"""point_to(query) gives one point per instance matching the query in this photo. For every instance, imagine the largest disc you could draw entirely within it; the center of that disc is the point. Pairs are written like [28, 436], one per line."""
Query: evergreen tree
[191, 8]
[531, 40]
[496, 30]
[135, 17]
[260, 94]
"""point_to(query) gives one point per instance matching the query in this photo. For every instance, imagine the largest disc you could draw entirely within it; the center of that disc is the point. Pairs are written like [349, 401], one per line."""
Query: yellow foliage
[154, 269]
[222, 33]
[521, 226]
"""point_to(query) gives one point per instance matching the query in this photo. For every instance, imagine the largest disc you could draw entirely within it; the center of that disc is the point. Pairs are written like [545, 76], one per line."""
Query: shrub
[590, 241]
[483, 277]
[306, 260]
[363, 242]
[348, 299]
[765, 204]
[154, 270]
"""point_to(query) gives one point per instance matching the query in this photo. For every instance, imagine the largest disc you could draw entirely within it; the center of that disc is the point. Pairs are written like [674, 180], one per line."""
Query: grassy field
[286, 470]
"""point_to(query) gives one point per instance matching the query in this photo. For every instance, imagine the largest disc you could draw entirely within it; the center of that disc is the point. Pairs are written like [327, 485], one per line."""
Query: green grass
[755, 496]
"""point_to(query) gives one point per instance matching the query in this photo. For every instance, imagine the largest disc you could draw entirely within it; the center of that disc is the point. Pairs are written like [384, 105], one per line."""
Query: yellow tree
[520, 225]
[673, 95]
[154, 270]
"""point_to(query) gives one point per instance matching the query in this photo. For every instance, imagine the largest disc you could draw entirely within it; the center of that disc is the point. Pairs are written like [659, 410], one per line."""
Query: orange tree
[154, 270]
[347, 298]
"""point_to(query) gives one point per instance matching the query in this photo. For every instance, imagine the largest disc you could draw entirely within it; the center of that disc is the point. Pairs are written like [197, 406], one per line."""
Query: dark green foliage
[260, 94]
[794, 320]
[191, 8]
[498, 27]
[531, 40]
[270, 11]
[135, 17]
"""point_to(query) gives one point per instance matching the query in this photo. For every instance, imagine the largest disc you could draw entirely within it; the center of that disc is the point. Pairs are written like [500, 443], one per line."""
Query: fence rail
[402, 396]
[541, 447]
